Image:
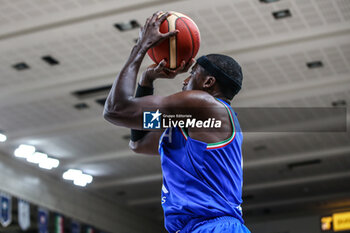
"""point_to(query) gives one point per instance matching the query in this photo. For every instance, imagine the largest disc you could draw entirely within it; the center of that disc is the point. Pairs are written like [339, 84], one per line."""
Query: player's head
[215, 72]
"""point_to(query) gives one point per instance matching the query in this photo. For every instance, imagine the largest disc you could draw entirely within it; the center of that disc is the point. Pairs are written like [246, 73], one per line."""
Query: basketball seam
[172, 43]
[176, 41]
[169, 41]
[154, 57]
[192, 40]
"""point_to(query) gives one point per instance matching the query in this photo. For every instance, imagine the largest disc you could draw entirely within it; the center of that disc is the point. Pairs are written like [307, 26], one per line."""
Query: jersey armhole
[227, 141]
[184, 133]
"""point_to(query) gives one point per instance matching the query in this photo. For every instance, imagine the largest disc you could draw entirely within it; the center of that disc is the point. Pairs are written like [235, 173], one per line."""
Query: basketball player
[202, 169]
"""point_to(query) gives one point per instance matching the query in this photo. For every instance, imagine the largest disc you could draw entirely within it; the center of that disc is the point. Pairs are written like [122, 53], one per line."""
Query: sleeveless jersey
[200, 180]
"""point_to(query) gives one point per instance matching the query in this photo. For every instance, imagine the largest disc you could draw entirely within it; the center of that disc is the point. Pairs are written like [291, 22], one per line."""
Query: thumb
[161, 65]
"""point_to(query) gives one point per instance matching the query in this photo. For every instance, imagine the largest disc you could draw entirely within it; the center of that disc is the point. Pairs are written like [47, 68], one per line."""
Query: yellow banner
[341, 221]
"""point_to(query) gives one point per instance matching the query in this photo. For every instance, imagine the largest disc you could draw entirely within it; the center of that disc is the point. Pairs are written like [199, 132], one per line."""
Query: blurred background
[58, 60]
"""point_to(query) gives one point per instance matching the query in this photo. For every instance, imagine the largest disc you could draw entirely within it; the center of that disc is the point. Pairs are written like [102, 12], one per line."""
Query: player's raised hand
[155, 71]
[150, 35]
[161, 71]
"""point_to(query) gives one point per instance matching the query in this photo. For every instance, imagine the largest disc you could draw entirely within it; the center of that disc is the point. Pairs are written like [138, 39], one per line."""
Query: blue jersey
[200, 180]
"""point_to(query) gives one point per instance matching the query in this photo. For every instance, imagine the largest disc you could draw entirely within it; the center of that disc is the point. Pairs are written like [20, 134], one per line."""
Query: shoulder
[189, 99]
[199, 104]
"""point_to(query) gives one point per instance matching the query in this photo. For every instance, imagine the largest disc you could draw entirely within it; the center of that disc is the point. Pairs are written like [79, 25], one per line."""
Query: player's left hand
[161, 71]
[150, 35]
[155, 71]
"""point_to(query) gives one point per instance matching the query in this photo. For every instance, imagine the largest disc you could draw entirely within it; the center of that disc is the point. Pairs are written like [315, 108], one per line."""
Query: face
[195, 80]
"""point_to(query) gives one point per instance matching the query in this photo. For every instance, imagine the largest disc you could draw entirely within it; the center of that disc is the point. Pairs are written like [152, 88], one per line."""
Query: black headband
[219, 74]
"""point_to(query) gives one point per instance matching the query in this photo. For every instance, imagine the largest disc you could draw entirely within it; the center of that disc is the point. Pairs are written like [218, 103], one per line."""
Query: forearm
[146, 80]
[144, 88]
[121, 108]
[124, 85]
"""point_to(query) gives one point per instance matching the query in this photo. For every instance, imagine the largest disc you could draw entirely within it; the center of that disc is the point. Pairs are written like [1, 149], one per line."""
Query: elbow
[107, 115]
[110, 109]
[112, 117]
[114, 113]
[115, 110]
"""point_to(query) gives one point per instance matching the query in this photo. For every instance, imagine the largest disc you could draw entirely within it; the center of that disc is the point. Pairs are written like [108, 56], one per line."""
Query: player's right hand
[150, 35]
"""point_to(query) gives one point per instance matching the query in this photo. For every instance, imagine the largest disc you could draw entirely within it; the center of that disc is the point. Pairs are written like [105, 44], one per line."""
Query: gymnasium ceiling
[285, 172]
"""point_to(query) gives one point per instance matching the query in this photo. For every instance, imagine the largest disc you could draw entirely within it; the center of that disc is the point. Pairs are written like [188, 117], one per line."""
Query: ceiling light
[281, 14]
[268, 1]
[304, 163]
[21, 66]
[83, 180]
[45, 166]
[23, 151]
[78, 177]
[50, 60]
[91, 92]
[53, 162]
[314, 64]
[132, 24]
[3, 137]
[81, 106]
[339, 103]
[49, 163]
[87, 178]
[79, 182]
[71, 174]
[37, 157]
[101, 101]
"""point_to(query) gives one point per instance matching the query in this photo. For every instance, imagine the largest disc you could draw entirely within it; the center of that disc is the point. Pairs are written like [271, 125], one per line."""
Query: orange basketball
[183, 46]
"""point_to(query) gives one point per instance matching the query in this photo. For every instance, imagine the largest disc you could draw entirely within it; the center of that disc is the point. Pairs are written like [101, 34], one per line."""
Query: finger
[183, 64]
[177, 70]
[189, 64]
[181, 67]
[140, 31]
[147, 20]
[161, 64]
[152, 66]
[155, 16]
[192, 61]
[170, 34]
[163, 17]
[170, 71]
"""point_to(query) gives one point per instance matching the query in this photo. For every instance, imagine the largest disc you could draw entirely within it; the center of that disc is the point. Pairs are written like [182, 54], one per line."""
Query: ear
[209, 82]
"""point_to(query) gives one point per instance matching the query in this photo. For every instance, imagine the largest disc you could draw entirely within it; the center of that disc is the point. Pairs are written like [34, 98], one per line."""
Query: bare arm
[146, 142]
[121, 108]
[121, 94]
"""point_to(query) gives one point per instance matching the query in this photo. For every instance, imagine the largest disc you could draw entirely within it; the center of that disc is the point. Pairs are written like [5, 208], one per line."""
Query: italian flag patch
[59, 227]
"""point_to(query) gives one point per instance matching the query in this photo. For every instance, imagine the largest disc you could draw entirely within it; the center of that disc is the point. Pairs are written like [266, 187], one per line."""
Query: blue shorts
[225, 224]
